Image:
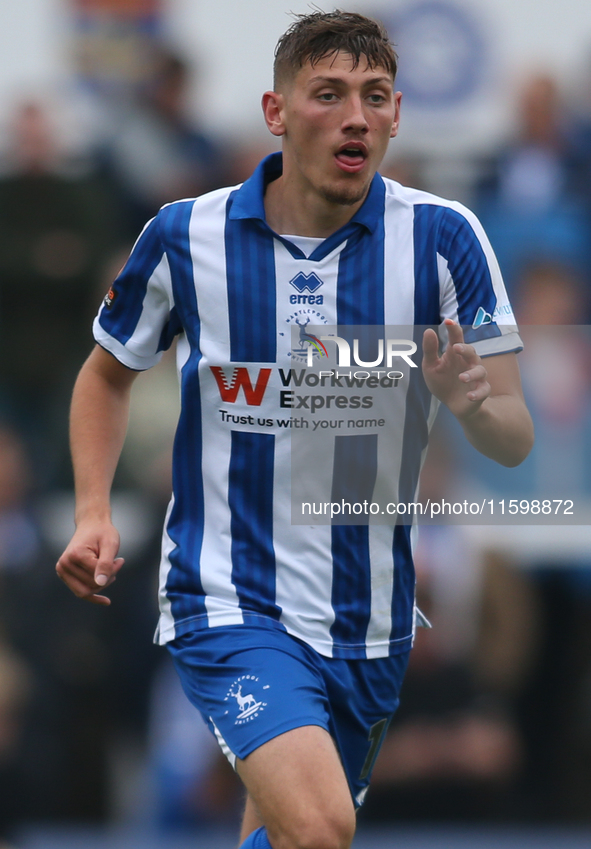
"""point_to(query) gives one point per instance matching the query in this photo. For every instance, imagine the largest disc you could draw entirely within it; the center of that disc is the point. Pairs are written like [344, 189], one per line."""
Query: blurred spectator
[56, 228]
[551, 293]
[74, 680]
[19, 536]
[19, 546]
[246, 156]
[582, 134]
[406, 170]
[21, 555]
[154, 153]
[531, 203]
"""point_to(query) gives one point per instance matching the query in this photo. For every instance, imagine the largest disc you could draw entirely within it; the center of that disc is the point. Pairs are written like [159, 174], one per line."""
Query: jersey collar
[248, 203]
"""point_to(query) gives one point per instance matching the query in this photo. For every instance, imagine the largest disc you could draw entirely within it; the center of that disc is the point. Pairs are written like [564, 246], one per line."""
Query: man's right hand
[90, 561]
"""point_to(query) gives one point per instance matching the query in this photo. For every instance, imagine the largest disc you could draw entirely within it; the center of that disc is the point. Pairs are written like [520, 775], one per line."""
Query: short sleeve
[137, 320]
[471, 285]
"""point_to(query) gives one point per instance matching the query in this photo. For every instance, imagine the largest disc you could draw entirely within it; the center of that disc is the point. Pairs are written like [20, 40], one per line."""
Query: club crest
[249, 695]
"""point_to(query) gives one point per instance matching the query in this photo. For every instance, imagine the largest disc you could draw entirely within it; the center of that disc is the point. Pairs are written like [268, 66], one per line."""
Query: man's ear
[396, 121]
[272, 104]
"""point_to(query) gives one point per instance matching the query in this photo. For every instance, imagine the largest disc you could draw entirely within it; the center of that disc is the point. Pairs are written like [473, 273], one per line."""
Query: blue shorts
[252, 684]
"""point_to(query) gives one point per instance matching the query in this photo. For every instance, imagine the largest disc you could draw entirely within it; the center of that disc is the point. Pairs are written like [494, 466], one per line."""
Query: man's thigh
[299, 789]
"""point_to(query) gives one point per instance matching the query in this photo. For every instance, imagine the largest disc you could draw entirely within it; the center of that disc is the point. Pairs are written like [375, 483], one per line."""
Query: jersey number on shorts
[376, 733]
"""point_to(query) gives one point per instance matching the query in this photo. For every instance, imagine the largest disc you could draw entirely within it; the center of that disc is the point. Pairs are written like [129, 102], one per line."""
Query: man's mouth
[351, 157]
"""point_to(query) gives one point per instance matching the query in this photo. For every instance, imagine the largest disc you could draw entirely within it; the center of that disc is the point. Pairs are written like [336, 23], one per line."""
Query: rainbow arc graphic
[315, 341]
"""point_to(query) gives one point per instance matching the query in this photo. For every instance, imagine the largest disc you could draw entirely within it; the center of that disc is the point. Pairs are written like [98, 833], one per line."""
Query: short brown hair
[321, 34]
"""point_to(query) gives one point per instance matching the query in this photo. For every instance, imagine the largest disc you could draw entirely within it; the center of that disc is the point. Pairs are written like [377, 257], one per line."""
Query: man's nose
[355, 118]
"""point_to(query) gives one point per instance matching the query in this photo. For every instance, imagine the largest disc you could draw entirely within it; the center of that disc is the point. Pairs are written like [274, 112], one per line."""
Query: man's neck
[288, 210]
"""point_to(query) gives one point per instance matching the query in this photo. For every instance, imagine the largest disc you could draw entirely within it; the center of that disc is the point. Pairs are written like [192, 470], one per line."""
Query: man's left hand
[457, 377]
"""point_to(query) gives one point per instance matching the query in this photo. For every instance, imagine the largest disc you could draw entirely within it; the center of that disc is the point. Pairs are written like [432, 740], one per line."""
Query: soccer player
[292, 641]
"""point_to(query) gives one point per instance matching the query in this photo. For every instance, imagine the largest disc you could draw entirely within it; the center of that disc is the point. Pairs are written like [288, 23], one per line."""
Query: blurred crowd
[495, 720]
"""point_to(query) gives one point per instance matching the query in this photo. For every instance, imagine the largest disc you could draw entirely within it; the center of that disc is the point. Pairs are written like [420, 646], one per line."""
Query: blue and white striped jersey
[211, 272]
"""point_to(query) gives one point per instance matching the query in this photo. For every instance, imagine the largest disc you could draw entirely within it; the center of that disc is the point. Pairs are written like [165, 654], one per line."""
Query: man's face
[336, 122]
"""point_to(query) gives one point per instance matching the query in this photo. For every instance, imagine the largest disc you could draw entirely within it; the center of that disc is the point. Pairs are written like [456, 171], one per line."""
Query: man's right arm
[98, 421]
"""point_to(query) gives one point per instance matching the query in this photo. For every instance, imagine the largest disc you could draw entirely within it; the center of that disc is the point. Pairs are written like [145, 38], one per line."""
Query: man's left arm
[484, 395]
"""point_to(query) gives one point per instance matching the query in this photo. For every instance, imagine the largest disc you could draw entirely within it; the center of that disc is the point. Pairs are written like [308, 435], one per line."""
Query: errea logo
[302, 281]
[310, 282]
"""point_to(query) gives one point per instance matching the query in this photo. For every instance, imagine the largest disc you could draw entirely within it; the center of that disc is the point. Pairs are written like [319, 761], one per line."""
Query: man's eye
[377, 98]
[327, 96]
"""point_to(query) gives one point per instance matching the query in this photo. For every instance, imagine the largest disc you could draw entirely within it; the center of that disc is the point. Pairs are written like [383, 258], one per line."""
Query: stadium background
[109, 108]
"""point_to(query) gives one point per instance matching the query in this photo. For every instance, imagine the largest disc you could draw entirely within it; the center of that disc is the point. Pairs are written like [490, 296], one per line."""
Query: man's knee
[316, 830]
[300, 790]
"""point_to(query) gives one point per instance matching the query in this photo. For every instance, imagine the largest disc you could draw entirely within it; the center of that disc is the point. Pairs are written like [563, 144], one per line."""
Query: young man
[292, 641]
